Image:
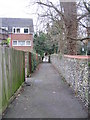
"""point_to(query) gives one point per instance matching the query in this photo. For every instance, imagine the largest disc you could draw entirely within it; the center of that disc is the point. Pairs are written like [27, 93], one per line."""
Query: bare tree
[63, 16]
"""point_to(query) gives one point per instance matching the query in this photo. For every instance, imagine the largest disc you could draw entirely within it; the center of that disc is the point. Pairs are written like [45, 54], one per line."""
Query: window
[18, 30]
[21, 43]
[14, 30]
[5, 28]
[28, 43]
[21, 30]
[26, 30]
[14, 43]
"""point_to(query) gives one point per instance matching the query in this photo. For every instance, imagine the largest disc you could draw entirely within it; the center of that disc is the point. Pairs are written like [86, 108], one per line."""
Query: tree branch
[83, 16]
[52, 6]
[86, 38]
[88, 8]
[83, 25]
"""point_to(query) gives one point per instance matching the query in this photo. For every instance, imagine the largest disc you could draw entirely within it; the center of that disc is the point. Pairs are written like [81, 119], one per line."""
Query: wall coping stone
[78, 56]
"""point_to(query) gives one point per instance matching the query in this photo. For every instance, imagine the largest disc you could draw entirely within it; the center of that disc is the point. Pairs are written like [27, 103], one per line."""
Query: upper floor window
[14, 30]
[21, 30]
[26, 30]
[18, 30]
[4, 28]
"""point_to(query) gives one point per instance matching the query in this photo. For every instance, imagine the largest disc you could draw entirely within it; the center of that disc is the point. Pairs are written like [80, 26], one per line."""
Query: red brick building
[20, 31]
[3, 35]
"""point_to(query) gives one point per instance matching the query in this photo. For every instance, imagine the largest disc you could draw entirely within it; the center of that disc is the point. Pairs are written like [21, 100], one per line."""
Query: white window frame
[16, 30]
[21, 45]
[21, 29]
[25, 28]
[13, 44]
[19, 41]
[26, 41]
[5, 28]
[13, 30]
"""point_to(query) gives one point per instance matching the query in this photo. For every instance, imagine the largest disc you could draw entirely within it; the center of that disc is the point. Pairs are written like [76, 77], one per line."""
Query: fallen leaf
[25, 108]
[54, 92]
[18, 95]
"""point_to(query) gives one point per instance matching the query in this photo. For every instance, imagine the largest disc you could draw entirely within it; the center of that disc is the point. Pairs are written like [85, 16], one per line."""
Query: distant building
[3, 35]
[20, 31]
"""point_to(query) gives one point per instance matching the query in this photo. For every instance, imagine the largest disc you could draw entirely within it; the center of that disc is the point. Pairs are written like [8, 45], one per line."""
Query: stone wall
[75, 71]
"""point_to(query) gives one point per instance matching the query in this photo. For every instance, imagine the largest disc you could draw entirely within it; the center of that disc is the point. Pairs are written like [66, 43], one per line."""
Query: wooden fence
[12, 74]
[32, 62]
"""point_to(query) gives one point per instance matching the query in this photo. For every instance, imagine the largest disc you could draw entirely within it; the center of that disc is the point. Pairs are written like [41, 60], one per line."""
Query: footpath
[47, 96]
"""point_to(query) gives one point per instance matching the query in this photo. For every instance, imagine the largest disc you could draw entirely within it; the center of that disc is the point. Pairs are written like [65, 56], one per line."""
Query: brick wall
[23, 48]
[22, 37]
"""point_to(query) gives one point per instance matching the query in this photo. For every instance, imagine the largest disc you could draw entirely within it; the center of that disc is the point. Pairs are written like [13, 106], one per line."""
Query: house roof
[16, 22]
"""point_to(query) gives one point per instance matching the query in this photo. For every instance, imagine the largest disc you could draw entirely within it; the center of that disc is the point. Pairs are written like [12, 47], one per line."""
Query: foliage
[60, 55]
[35, 60]
[72, 19]
[4, 42]
[89, 64]
[43, 44]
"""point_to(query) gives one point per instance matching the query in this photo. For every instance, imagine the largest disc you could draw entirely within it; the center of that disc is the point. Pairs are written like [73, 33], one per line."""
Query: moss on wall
[35, 60]
[13, 73]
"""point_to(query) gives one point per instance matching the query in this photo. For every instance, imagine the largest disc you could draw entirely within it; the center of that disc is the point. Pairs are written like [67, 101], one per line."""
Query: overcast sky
[14, 8]
[18, 9]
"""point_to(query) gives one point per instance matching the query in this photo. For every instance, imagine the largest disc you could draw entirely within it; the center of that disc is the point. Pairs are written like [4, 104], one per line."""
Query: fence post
[0, 82]
[49, 59]
[30, 67]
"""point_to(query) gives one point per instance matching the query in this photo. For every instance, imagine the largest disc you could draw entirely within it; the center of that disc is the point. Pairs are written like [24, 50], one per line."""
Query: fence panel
[12, 74]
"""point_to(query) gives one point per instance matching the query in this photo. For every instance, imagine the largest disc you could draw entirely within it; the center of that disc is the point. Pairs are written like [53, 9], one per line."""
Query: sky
[18, 9]
[14, 8]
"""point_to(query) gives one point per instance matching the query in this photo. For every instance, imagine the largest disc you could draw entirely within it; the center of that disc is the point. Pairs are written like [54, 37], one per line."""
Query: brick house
[20, 31]
[3, 35]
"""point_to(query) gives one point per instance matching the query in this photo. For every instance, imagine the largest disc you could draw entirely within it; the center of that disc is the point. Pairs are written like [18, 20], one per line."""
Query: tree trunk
[70, 12]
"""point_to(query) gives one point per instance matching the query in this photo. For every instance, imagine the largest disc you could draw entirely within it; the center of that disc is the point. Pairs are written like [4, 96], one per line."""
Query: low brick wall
[75, 71]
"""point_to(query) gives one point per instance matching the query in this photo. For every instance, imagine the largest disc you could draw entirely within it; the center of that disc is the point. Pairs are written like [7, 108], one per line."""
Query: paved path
[47, 97]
